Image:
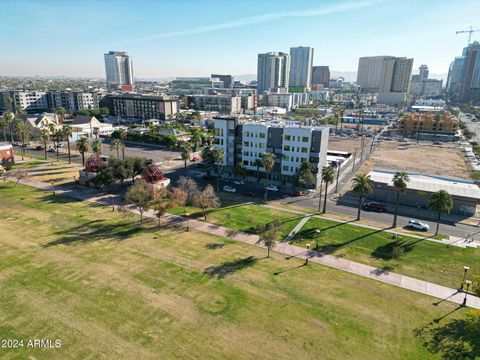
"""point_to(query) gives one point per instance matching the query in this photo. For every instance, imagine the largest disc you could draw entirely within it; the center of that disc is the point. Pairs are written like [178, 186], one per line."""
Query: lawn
[109, 287]
[60, 172]
[421, 259]
[244, 217]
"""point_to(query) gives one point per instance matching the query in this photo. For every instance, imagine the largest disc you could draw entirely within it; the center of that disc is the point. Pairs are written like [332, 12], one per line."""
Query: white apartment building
[29, 100]
[273, 72]
[301, 62]
[118, 69]
[291, 143]
[287, 101]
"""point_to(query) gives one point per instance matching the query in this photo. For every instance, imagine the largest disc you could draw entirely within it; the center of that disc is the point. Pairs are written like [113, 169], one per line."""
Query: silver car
[418, 225]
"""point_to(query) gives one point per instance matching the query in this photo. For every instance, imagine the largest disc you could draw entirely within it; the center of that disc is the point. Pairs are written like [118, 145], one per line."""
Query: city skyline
[165, 46]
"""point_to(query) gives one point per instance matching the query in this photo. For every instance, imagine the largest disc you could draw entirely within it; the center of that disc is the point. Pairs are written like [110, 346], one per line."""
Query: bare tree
[206, 199]
[269, 235]
[179, 197]
[18, 174]
[190, 186]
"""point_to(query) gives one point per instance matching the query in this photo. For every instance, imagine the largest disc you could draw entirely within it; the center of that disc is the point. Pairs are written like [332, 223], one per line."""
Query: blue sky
[198, 37]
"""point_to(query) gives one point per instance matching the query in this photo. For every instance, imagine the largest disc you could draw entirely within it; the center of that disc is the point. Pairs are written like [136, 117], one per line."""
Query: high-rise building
[301, 61]
[388, 75]
[273, 70]
[119, 70]
[455, 75]
[469, 89]
[423, 74]
[227, 80]
[320, 76]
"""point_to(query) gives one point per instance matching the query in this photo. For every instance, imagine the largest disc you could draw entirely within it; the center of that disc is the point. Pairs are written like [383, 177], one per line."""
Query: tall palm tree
[217, 157]
[328, 174]
[185, 148]
[82, 147]
[58, 136]
[442, 202]
[3, 126]
[258, 163]
[400, 180]
[363, 186]
[123, 136]
[95, 132]
[268, 160]
[44, 134]
[9, 117]
[67, 131]
[116, 145]
[97, 147]
[22, 133]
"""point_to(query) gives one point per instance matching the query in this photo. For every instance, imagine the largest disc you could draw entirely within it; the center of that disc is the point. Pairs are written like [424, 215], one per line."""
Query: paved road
[472, 126]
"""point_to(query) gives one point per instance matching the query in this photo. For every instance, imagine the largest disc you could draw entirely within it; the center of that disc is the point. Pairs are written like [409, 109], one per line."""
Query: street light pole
[465, 270]
[306, 257]
[53, 188]
[468, 282]
[338, 174]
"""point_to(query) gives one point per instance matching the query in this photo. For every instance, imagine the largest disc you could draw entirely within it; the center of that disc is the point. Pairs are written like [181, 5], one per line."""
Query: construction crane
[470, 31]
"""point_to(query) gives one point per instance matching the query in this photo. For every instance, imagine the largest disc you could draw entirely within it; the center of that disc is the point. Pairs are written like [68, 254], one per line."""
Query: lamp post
[113, 203]
[74, 183]
[306, 257]
[318, 232]
[465, 270]
[53, 188]
[338, 174]
[468, 282]
[186, 217]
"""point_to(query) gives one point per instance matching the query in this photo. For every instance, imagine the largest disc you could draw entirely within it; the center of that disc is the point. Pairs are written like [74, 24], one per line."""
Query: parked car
[104, 157]
[59, 145]
[272, 188]
[296, 193]
[229, 189]
[39, 147]
[239, 182]
[310, 191]
[16, 143]
[418, 225]
[437, 143]
[195, 158]
[51, 150]
[250, 193]
[373, 206]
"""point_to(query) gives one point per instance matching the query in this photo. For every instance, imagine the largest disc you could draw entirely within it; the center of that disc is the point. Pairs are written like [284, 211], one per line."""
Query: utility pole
[338, 174]
[354, 158]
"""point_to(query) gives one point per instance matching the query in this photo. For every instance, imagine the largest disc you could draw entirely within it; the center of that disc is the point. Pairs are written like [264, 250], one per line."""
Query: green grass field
[422, 259]
[111, 288]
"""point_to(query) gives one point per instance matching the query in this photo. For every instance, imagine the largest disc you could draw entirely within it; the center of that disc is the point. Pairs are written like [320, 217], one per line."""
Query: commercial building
[320, 76]
[226, 104]
[142, 106]
[465, 193]
[437, 125]
[422, 86]
[226, 79]
[287, 101]
[469, 89]
[369, 73]
[291, 143]
[273, 71]
[182, 86]
[119, 70]
[301, 61]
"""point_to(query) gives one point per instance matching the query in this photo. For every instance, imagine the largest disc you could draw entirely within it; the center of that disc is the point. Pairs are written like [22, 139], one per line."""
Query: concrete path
[423, 287]
[296, 229]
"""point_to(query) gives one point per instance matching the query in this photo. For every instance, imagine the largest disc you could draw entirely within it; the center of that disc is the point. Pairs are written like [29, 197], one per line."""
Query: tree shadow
[229, 267]
[456, 340]
[97, 230]
[59, 199]
[393, 249]
[214, 246]
[290, 269]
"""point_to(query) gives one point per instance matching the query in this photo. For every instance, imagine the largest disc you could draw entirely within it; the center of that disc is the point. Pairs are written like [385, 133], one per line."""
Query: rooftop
[430, 183]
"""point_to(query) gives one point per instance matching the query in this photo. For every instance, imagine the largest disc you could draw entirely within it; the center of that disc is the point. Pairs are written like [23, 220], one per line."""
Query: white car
[229, 189]
[239, 182]
[272, 188]
[418, 225]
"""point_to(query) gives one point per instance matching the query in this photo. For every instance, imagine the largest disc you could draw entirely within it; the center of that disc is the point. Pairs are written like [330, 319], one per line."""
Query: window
[305, 139]
[262, 135]
[287, 137]
[286, 147]
[285, 168]
[304, 150]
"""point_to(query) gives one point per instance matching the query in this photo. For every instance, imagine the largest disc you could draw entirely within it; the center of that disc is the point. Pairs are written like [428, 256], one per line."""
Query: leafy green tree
[328, 174]
[268, 160]
[82, 147]
[363, 186]
[305, 176]
[160, 204]
[104, 111]
[104, 178]
[185, 149]
[120, 170]
[169, 140]
[442, 202]
[97, 147]
[67, 132]
[141, 196]
[400, 181]
[206, 199]
[269, 236]
[9, 117]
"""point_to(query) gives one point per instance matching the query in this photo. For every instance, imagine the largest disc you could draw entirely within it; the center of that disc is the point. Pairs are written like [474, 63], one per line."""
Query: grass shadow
[214, 246]
[229, 267]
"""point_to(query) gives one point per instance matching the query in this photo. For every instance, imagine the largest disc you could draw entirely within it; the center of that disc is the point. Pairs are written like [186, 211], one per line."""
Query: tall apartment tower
[301, 67]
[469, 89]
[320, 75]
[273, 70]
[119, 70]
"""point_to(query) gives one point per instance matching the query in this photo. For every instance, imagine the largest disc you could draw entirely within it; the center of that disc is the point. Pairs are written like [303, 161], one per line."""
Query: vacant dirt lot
[426, 158]
[343, 144]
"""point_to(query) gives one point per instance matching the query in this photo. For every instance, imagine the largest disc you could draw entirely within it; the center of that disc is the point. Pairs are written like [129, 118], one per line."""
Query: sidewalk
[440, 292]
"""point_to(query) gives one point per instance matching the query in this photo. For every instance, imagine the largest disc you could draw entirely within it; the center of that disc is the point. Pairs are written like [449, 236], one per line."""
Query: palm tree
[442, 202]
[328, 174]
[258, 163]
[9, 117]
[3, 126]
[44, 134]
[400, 180]
[97, 147]
[58, 136]
[67, 131]
[82, 147]
[22, 133]
[268, 160]
[363, 186]
[217, 157]
[95, 132]
[185, 148]
[116, 145]
[122, 134]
